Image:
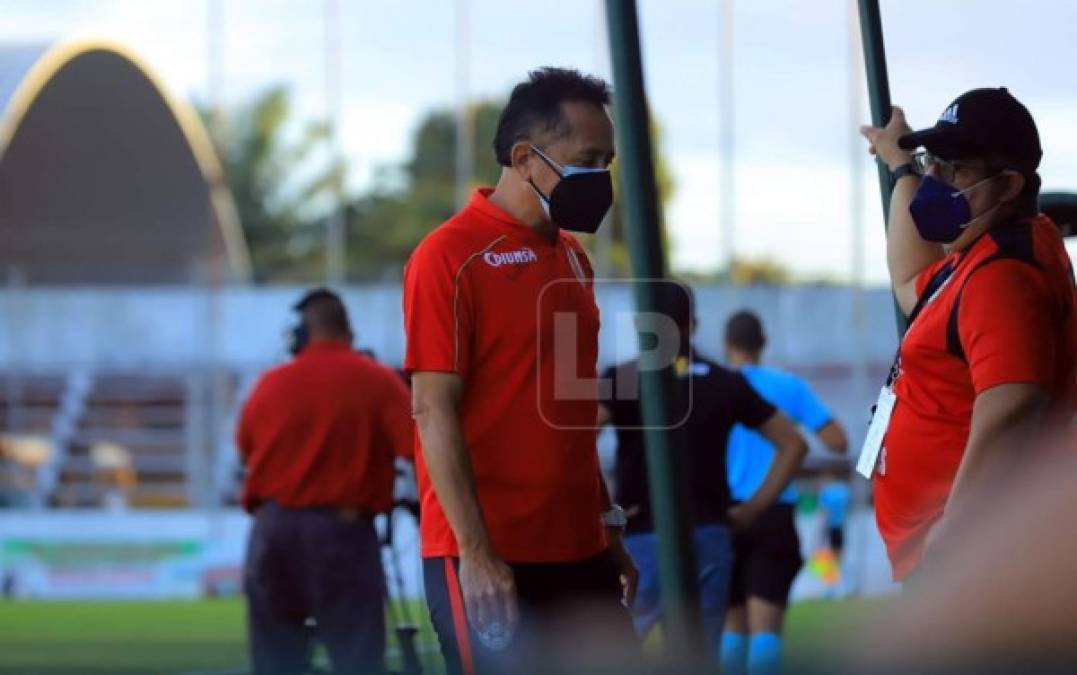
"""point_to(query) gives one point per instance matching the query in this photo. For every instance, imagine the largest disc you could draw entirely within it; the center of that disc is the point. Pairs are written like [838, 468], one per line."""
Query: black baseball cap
[983, 123]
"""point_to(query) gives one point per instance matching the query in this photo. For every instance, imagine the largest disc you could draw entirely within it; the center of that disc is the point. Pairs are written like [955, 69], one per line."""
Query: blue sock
[734, 654]
[765, 654]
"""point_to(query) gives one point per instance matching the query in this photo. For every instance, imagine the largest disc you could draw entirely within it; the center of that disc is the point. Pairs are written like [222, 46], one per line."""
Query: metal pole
[855, 82]
[215, 71]
[603, 242]
[856, 153]
[465, 128]
[335, 241]
[871, 35]
[665, 456]
[16, 284]
[727, 188]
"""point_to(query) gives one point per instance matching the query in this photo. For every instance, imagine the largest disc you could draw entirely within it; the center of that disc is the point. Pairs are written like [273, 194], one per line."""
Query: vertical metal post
[215, 71]
[727, 188]
[871, 35]
[465, 124]
[603, 241]
[15, 421]
[855, 83]
[665, 459]
[336, 260]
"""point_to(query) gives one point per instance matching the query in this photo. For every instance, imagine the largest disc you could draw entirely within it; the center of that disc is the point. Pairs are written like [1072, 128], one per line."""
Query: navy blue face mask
[942, 213]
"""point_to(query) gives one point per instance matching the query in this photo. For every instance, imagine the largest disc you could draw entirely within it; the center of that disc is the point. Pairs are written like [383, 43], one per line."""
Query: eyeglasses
[946, 171]
[566, 170]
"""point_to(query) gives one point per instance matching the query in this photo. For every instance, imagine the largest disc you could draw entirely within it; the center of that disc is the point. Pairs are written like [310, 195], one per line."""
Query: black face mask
[580, 199]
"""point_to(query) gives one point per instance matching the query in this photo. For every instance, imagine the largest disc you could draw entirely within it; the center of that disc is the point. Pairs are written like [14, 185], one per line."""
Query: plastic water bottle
[495, 636]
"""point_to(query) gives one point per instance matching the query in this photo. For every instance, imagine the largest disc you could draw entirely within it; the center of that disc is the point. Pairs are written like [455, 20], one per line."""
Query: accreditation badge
[873, 442]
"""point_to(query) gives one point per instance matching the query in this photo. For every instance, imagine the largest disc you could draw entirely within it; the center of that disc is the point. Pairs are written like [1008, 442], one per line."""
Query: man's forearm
[791, 450]
[906, 252]
[607, 501]
[1004, 419]
[781, 472]
[449, 467]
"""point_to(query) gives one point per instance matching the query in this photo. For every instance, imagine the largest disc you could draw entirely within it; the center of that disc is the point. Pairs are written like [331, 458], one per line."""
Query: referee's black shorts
[766, 558]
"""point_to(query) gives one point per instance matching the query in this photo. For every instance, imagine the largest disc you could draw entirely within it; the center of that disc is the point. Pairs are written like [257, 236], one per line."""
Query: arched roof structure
[104, 177]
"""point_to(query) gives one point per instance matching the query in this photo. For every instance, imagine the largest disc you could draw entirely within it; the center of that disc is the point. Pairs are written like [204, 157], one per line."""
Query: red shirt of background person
[324, 429]
[992, 355]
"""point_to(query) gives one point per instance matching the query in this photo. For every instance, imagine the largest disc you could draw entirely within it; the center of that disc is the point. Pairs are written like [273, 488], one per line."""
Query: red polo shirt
[514, 314]
[323, 430]
[1006, 315]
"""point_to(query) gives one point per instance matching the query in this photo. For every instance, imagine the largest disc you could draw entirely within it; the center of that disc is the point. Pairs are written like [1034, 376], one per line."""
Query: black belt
[348, 514]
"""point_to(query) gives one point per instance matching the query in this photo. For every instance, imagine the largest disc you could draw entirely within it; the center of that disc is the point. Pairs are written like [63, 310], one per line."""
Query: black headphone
[298, 337]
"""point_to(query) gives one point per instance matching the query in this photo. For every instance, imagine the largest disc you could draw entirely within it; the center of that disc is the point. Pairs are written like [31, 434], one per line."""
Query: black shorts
[553, 598]
[766, 558]
[837, 538]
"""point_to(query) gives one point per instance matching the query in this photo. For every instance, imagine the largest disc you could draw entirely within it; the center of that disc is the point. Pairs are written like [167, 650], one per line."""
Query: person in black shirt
[713, 399]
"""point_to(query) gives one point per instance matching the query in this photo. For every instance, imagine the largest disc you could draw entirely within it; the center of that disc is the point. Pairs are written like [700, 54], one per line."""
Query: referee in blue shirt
[767, 553]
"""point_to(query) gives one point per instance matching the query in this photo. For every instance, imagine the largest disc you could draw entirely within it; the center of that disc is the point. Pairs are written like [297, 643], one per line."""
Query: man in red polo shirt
[319, 436]
[494, 300]
[990, 354]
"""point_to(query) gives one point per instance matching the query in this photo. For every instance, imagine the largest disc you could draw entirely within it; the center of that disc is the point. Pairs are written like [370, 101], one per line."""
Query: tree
[282, 202]
[619, 265]
[748, 271]
[407, 202]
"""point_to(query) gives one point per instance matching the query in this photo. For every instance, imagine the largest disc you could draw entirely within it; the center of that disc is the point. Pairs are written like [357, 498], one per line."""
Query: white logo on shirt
[949, 115]
[518, 257]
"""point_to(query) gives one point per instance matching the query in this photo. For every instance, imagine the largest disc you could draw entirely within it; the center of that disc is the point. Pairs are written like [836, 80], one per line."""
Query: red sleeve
[581, 258]
[1006, 327]
[437, 310]
[396, 417]
[248, 420]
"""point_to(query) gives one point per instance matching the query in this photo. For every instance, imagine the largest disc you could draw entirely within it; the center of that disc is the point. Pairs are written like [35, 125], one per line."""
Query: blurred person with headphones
[319, 436]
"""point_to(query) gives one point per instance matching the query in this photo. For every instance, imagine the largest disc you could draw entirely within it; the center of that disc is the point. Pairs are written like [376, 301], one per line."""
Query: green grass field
[207, 636]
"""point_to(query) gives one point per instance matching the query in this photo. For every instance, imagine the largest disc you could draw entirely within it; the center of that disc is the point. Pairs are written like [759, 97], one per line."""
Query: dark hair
[323, 309]
[535, 106]
[1028, 200]
[678, 301]
[744, 330]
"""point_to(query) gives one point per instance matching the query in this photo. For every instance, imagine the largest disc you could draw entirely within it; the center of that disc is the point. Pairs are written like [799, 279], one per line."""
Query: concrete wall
[840, 340]
[242, 327]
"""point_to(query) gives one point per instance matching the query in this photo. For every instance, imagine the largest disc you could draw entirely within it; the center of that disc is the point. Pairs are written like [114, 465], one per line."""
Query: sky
[804, 183]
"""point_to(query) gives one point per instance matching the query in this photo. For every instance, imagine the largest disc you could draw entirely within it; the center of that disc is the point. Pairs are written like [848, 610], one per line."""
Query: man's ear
[1015, 183]
[520, 155]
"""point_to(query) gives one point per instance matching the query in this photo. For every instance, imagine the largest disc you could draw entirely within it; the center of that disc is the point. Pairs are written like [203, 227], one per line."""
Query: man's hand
[790, 450]
[741, 516]
[907, 253]
[486, 582]
[489, 592]
[627, 566]
[883, 143]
